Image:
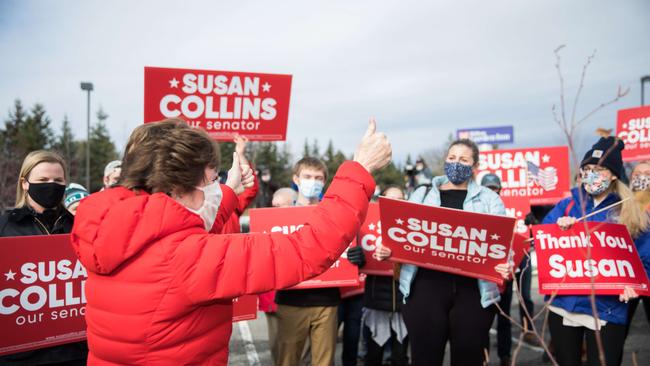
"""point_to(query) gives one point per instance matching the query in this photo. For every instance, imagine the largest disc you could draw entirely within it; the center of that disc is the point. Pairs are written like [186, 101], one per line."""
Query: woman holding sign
[159, 285]
[571, 318]
[439, 306]
[39, 210]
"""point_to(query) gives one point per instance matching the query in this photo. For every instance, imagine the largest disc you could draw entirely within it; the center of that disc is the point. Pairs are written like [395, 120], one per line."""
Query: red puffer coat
[159, 287]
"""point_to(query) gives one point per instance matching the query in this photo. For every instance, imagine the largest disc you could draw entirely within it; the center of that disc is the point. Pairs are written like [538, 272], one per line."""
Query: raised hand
[374, 150]
[240, 148]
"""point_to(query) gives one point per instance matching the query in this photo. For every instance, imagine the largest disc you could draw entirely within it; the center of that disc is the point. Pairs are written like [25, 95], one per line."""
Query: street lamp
[644, 79]
[87, 87]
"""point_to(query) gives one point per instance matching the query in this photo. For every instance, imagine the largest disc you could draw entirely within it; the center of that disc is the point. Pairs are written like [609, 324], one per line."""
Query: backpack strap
[427, 189]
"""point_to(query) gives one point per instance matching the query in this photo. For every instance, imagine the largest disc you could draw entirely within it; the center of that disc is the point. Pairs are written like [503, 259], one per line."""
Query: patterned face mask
[640, 183]
[595, 182]
[458, 173]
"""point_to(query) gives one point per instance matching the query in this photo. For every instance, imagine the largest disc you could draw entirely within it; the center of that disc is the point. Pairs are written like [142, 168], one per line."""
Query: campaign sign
[518, 207]
[444, 239]
[487, 135]
[564, 267]
[42, 298]
[286, 220]
[222, 103]
[244, 308]
[369, 238]
[542, 174]
[633, 127]
[356, 290]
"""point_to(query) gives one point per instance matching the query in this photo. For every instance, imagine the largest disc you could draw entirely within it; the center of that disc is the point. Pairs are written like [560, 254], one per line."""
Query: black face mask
[48, 195]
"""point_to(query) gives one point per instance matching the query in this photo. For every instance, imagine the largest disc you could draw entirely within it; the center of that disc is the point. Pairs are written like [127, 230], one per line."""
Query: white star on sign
[519, 213]
[10, 275]
[494, 237]
[399, 221]
[371, 227]
[625, 126]
[173, 83]
[266, 87]
[546, 158]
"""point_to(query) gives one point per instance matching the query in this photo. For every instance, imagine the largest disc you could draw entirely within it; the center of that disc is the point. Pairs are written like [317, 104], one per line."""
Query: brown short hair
[309, 162]
[471, 145]
[165, 155]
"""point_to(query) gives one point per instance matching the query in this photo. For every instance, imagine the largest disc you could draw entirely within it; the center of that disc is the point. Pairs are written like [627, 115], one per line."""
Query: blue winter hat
[74, 193]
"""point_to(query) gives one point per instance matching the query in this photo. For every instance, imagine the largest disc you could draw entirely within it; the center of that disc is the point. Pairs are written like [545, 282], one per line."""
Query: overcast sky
[422, 68]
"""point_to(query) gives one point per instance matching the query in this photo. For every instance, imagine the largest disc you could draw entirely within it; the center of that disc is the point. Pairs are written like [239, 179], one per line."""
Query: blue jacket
[608, 306]
[479, 199]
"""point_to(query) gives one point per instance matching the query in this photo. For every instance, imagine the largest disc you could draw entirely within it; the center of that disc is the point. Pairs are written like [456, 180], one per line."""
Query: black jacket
[25, 222]
[382, 293]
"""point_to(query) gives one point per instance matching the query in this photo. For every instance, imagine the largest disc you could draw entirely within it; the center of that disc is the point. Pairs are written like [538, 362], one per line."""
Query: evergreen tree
[306, 151]
[35, 133]
[266, 155]
[102, 151]
[315, 150]
[66, 145]
[388, 176]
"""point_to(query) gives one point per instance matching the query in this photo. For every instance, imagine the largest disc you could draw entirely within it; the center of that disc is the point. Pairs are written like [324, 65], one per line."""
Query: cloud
[423, 69]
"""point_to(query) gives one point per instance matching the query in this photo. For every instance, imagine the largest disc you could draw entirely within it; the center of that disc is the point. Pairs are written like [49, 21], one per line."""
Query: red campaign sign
[444, 239]
[369, 238]
[520, 245]
[518, 207]
[222, 103]
[286, 220]
[42, 299]
[563, 267]
[542, 173]
[244, 308]
[633, 127]
[356, 290]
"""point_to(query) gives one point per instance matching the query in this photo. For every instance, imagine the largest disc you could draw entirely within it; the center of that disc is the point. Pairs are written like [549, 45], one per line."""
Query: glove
[357, 257]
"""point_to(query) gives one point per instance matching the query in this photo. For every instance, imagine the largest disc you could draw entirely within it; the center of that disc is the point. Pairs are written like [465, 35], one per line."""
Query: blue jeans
[350, 316]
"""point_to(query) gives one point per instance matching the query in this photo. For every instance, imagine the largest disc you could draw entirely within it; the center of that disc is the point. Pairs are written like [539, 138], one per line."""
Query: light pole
[87, 87]
[644, 79]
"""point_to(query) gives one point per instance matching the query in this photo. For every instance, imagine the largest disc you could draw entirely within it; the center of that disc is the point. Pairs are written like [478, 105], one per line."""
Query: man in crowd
[312, 313]
[112, 173]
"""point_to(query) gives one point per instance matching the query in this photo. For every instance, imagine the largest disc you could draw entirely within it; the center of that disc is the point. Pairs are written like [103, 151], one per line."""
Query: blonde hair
[629, 212]
[31, 160]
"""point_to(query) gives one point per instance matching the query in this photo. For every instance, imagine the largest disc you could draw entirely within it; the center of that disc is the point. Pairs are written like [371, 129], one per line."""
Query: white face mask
[212, 199]
[310, 188]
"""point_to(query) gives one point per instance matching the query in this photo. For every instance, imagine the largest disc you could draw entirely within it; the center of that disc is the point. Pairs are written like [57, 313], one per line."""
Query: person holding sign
[383, 323]
[439, 306]
[39, 210]
[602, 178]
[159, 286]
[308, 314]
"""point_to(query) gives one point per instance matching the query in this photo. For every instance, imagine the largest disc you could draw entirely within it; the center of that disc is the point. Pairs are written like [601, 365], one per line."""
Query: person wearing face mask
[441, 307]
[39, 211]
[640, 185]
[309, 314]
[571, 320]
[160, 286]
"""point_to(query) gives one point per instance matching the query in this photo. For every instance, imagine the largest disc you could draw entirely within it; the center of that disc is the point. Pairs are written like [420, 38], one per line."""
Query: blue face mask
[310, 188]
[458, 173]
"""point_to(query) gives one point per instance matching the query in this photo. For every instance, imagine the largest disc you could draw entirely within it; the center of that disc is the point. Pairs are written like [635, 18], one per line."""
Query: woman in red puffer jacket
[159, 286]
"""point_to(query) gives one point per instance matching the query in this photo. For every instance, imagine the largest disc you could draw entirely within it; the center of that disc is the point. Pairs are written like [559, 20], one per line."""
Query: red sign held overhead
[633, 127]
[454, 241]
[42, 299]
[286, 220]
[563, 265]
[222, 103]
[369, 239]
[542, 174]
